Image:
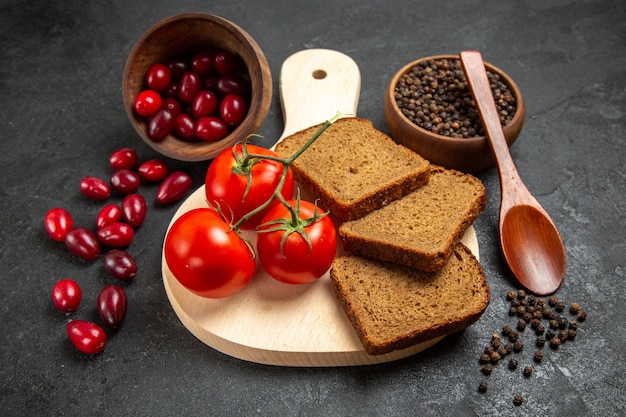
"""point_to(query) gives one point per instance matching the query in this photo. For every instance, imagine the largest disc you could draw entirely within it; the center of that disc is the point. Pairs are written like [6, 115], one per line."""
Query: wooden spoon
[530, 241]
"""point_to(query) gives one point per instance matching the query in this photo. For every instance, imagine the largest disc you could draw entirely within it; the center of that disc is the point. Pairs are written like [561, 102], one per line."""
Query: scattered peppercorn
[562, 334]
[502, 352]
[518, 400]
[484, 358]
[521, 310]
[513, 336]
[552, 301]
[571, 334]
[528, 371]
[512, 311]
[582, 315]
[506, 331]
[489, 349]
[550, 334]
[541, 341]
[508, 348]
[486, 369]
[513, 364]
[521, 325]
[540, 329]
[511, 295]
[574, 308]
[555, 342]
[573, 324]
[521, 294]
[562, 323]
[482, 387]
[495, 357]
[518, 346]
[538, 356]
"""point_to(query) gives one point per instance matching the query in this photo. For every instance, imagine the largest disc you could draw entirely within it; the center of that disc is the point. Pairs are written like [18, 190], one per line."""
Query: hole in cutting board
[319, 74]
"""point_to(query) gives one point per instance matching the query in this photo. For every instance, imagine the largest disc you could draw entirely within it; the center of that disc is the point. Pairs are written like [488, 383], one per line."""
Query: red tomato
[226, 183]
[86, 336]
[297, 262]
[58, 223]
[207, 256]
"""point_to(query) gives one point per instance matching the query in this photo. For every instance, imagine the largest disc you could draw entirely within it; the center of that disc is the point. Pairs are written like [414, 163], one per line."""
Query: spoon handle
[476, 75]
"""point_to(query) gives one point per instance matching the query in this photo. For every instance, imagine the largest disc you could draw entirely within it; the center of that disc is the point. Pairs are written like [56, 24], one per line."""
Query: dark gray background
[61, 115]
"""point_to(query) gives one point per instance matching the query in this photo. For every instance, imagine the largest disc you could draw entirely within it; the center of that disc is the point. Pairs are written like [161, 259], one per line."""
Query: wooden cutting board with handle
[270, 322]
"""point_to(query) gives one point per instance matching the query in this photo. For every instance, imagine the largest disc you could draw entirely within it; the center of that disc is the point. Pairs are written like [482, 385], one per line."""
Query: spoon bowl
[530, 241]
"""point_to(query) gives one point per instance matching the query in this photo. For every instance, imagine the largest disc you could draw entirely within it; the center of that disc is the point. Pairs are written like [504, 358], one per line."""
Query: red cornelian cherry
[189, 86]
[204, 104]
[202, 62]
[58, 223]
[116, 234]
[108, 214]
[233, 85]
[112, 303]
[233, 109]
[148, 102]
[211, 129]
[153, 170]
[124, 158]
[158, 77]
[226, 62]
[86, 336]
[66, 295]
[134, 209]
[94, 188]
[171, 105]
[120, 264]
[125, 181]
[83, 243]
[160, 125]
[174, 187]
[185, 128]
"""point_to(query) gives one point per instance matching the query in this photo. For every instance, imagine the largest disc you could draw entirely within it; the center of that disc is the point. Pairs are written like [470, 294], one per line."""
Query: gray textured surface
[61, 115]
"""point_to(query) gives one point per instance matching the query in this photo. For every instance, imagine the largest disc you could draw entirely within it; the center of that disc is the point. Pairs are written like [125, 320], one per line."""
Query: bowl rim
[260, 103]
[517, 118]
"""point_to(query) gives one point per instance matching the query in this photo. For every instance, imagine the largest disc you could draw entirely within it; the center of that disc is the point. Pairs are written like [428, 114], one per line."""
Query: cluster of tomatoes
[249, 188]
[115, 229]
[201, 97]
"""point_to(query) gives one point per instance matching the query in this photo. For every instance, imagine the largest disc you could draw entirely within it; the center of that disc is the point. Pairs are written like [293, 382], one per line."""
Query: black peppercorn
[554, 324]
[541, 341]
[528, 371]
[562, 334]
[521, 310]
[513, 364]
[574, 308]
[511, 295]
[512, 311]
[518, 400]
[562, 323]
[538, 314]
[513, 336]
[508, 348]
[582, 315]
[521, 294]
[573, 324]
[534, 323]
[532, 300]
[484, 358]
[495, 341]
[560, 306]
[506, 331]
[489, 349]
[538, 356]
[486, 369]
[482, 387]
[553, 301]
[495, 357]
[521, 325]
[555, 342]
[540, 329]
[571, 334]
[518, 346]
[527, 317]
[550, 334]
[502, 352]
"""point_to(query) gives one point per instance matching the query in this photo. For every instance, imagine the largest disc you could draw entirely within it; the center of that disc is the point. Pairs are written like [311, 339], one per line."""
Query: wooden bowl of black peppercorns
[429, 108]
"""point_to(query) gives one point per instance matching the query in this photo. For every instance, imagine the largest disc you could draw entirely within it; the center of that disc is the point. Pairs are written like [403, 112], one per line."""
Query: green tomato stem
[249, 159]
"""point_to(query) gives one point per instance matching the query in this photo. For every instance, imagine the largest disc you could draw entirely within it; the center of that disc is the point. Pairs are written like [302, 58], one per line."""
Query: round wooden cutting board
[270, 322]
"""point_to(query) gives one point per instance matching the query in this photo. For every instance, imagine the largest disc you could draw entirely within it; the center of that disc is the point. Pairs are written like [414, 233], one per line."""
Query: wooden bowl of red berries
[194, 84]
[429, 108]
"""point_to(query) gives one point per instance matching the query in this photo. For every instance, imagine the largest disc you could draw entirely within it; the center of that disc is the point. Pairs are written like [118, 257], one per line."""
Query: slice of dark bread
[353, 168]
[393, 307]
[421, 229]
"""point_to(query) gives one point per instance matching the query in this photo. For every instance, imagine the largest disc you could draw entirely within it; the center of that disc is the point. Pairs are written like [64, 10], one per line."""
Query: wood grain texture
[270, 322]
